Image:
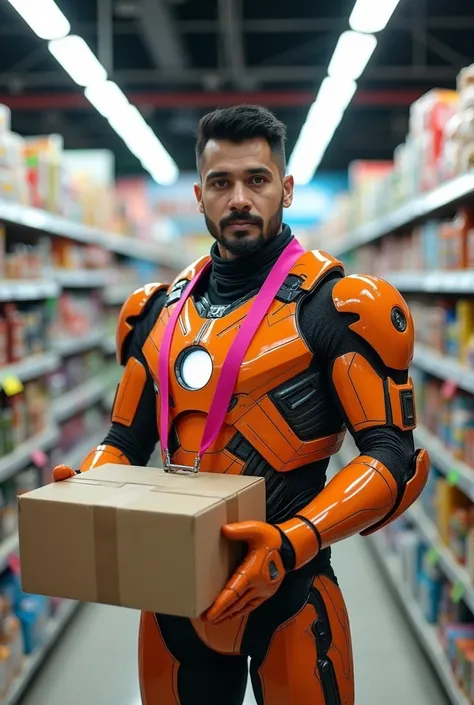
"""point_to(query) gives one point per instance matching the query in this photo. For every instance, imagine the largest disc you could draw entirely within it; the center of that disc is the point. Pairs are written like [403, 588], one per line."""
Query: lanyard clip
[167, 463]
[168, 466]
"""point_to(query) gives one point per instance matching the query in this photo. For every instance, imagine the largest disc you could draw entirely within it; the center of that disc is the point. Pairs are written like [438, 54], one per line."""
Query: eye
[258, 180]
[220, 183]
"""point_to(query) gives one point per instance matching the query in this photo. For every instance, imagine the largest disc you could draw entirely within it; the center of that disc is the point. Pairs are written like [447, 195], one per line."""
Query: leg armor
[309, 659]
[177, 668]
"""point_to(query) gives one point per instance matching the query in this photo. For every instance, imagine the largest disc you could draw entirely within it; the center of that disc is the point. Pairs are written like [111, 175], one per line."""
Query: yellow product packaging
[465, 319]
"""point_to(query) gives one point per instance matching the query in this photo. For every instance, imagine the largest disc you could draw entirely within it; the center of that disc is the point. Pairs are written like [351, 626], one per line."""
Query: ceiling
[176, 59]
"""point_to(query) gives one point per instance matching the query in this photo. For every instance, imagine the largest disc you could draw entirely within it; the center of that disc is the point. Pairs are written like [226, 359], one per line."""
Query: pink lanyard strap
[231, 366]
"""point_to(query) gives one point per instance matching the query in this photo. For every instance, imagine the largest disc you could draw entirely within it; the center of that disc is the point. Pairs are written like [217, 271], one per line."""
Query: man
[330, 352]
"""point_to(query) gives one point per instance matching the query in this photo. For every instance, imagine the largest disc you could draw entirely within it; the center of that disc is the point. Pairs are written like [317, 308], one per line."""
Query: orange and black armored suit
[332, 353]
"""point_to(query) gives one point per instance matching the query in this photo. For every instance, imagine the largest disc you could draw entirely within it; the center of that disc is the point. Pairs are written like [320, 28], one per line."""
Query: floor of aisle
[95, 661]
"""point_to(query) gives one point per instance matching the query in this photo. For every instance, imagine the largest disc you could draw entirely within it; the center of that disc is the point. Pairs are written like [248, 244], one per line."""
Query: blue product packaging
[32, 612]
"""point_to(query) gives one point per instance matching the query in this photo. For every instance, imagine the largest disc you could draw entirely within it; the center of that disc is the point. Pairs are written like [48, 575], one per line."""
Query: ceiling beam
[275, 25]
[258, 76]
[206, 99]
[161, 36]
[230, 31]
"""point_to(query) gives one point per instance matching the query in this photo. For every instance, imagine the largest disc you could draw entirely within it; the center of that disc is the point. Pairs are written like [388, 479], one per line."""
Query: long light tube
[44, 17]
[107, 98]
[78, 60]
[321, 123]
[372, 15]
[351, 55]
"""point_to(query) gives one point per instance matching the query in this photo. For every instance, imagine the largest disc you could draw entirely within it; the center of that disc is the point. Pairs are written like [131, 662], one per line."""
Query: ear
[198, 194]
[288, 189]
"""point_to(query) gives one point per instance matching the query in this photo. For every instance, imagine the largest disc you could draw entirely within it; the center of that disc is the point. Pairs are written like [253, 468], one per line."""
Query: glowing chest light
[194, 368]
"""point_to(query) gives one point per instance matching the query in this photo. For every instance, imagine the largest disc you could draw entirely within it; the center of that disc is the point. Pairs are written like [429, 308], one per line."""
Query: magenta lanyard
[231, 366]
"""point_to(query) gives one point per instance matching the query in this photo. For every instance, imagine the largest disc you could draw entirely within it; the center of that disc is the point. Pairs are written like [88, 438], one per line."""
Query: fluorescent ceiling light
[321, 123]
[107, 98]
[335, 93]
[372, 15]
[78, 60]
[44, 17]
[312, 143]
[351, 55]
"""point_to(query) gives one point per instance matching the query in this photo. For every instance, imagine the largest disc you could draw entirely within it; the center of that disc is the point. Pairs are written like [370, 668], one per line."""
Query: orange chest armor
[272, 415]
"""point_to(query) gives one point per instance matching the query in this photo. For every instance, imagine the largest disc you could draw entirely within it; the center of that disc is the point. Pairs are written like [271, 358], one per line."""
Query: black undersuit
[328, 335]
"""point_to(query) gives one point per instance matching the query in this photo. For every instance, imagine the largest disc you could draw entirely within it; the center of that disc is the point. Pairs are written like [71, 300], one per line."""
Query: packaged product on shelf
[458, 137]
[7, 443]
[448, 500]
[4, 669]
[363, 177]
[5, 118]
[16, 333]
[11, 638]
[431, 582]
[428, 117]
[9, 519]
[460, 523]
[33, 613]
[43, 163]
[17, 403]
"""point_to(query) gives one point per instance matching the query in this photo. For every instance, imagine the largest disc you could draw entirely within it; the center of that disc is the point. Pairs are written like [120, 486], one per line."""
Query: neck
[235, 277]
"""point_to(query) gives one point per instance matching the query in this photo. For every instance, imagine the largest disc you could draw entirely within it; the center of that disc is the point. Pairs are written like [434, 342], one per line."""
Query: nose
[240, 198]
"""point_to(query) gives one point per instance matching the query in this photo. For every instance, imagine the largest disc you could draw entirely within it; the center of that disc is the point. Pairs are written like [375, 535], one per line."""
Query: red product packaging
[16, 329]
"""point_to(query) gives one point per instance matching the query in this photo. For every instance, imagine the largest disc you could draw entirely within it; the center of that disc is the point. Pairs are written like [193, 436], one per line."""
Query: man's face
[242, 195]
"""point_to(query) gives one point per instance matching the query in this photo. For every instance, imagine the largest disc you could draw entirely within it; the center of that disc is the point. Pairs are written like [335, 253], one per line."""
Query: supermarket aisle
[95, 662]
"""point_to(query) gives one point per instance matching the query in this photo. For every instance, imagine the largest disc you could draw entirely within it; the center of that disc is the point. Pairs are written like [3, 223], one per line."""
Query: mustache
[244, 216]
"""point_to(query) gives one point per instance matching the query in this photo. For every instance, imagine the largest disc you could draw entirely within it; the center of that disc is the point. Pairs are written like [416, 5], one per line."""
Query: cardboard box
[136, 537]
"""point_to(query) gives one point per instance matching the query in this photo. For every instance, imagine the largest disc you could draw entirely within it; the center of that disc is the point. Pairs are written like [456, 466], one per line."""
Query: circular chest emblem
[194, 368]
[399, 319]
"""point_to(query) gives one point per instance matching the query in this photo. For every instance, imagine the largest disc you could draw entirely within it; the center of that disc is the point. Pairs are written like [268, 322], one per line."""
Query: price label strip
[433, 557]
[457, 593]
[11, 385]
[453, 477]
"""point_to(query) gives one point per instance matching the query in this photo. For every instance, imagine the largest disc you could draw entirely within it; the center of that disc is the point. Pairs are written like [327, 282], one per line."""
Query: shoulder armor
[191, 271]
[182, 280]
[383, 317]
[313, 266]
[134, 307]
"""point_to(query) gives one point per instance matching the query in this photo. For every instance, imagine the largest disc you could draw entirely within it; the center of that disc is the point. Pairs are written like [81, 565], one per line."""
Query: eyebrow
[251, 172]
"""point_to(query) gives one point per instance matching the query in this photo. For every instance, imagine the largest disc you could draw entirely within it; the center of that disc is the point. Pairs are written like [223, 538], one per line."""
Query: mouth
[241, 225]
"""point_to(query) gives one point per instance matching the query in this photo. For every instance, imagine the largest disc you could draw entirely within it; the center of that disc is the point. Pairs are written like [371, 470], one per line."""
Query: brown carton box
[136, 537]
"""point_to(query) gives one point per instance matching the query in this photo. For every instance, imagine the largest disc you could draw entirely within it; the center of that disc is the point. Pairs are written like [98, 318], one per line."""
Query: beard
[240, 243]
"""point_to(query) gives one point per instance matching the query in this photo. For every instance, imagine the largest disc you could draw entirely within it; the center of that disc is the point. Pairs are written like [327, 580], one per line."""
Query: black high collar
[232, 279]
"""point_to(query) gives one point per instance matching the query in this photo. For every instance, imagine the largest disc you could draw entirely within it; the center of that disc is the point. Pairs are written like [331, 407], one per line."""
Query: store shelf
[426, 633]
[28, 290]
[444, 367]
[7, 547]
[21, 456]
[433, 203]
[81, 278]
[117, 294]
[75, 456]
[433, 282]
[32, 367]
[79, 399]
[445, 461]
[75, 346]
[33, 662]
[109, 346]
[36, 219]
[143, 250]
[455, 572]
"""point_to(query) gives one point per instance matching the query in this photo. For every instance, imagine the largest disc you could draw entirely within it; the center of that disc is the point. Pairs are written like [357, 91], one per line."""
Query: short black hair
[240, 123]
